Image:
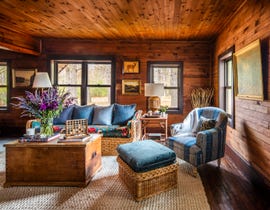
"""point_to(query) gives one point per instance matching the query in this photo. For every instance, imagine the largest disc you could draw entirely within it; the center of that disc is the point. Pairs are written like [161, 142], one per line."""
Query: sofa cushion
[84, 112]
[123, 113]
[110, 130]
[102, 115]
[65, 115]
[146, 155]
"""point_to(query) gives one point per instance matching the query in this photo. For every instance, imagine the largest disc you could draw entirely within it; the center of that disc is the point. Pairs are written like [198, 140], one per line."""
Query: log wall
[251, 136]
[195, 55]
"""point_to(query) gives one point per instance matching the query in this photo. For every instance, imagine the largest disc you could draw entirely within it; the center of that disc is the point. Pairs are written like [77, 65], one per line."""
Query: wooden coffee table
[52, 163]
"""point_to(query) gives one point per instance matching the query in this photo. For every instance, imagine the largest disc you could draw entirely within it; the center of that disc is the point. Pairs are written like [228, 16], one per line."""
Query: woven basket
[146, 184]
[109, 144]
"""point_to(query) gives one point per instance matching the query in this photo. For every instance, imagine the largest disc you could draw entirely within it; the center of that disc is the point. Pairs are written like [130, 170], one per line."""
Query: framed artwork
[23, 77]
[131, 87]
[131, 67]
[248, 72]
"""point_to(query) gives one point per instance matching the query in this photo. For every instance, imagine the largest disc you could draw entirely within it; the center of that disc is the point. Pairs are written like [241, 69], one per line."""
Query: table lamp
[42, 80]
[153, 91]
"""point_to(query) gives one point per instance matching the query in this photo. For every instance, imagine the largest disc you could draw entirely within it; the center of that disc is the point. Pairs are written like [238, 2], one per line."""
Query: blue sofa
[117, 123]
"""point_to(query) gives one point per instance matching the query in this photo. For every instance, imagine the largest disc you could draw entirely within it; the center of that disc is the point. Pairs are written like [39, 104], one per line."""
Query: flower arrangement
[44, 105]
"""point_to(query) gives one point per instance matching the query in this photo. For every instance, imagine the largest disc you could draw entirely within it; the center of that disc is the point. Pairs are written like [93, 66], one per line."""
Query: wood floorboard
[228, 189]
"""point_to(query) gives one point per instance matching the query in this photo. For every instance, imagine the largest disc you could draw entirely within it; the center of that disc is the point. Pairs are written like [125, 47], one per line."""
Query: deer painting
[130, 67]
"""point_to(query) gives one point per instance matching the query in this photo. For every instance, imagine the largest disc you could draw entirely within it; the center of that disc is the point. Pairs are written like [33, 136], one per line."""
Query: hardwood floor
[227, 188]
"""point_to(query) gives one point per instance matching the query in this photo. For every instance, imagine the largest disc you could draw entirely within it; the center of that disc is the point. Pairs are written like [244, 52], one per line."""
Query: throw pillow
[206, 124]
[65, 115]
[102, 115]
[123, 113]
[84, 112]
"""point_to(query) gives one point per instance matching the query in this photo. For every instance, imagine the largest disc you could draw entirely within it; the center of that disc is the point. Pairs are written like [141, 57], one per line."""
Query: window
[226, 91]
[4, 85]
[91, 81]
[170, 74]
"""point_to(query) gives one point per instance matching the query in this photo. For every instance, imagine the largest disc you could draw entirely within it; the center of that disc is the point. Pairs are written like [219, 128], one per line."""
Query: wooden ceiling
[23, 23]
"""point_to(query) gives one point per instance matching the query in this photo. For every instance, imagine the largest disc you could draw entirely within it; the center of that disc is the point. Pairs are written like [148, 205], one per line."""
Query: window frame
[8, 85]
[223, 59]
[179, 87]
[84, 60]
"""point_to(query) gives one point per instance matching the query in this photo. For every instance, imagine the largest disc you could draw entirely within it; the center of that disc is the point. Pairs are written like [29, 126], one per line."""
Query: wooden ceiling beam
[19, 42]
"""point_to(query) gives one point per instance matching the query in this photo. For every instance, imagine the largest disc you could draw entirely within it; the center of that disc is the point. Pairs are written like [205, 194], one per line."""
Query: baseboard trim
[254, 176]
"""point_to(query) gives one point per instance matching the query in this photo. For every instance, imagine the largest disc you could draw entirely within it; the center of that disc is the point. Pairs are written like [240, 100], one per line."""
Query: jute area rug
[105, 191]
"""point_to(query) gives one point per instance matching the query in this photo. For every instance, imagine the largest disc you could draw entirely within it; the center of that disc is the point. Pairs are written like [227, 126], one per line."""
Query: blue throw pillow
[65, 115]
[83, 112]
[102, 115]
[123, 113]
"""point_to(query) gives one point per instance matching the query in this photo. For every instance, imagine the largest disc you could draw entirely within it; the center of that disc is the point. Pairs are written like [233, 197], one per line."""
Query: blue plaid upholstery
[199, 147]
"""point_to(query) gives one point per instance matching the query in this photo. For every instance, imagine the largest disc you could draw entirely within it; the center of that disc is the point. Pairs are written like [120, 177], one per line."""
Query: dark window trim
[84, 59]
[179, 109]
[222, 59]
[7, 108]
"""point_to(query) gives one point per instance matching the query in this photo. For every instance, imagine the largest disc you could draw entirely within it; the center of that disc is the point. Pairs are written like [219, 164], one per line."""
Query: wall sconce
[153, 91]
[42, 80]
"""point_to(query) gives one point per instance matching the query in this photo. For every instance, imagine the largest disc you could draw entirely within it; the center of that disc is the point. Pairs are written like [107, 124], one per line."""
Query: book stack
[37, 138]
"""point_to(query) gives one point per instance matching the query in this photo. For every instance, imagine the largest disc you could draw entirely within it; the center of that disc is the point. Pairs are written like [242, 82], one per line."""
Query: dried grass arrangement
[201, 97]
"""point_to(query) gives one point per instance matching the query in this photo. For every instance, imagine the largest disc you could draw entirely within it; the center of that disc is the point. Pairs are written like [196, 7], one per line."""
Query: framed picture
[248, 72]
[131, 67]
[131, 87]
[23, 77]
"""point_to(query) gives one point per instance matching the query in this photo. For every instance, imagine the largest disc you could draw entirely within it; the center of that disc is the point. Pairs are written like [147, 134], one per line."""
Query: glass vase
[46, 127]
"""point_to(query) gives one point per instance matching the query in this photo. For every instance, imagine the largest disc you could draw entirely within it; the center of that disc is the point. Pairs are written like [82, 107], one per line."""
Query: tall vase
[46, 127]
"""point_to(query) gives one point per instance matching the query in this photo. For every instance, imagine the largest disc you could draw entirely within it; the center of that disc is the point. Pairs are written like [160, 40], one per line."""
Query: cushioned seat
[187, 146]
[146, 155]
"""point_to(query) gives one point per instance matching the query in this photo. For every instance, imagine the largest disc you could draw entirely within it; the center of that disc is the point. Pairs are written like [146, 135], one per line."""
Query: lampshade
[42, 80]
[153, 89]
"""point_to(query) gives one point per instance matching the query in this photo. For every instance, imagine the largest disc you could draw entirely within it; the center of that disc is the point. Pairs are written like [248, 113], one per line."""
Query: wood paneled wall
[251, 136]
[196, 57]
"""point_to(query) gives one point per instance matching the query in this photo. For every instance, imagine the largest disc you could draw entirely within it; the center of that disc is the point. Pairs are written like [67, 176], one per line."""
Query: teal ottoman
[147, 168]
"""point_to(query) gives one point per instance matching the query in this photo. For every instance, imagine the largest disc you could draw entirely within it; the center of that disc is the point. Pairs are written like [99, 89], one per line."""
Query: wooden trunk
[52, 163]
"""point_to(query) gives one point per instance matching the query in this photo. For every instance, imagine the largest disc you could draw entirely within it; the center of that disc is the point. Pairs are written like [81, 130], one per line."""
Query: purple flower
[44, 104]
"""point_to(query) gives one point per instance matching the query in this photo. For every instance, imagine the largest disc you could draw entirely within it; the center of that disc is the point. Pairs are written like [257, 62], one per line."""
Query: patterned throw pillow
[206, 124]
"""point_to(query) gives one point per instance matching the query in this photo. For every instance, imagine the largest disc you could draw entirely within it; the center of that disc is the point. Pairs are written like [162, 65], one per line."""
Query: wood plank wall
[251, 136]
[196, 57]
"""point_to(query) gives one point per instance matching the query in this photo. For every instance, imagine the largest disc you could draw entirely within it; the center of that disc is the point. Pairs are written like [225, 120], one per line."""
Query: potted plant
[163, 110]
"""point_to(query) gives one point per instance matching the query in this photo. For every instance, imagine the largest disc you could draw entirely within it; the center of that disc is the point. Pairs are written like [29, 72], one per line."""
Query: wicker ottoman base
[146, 184]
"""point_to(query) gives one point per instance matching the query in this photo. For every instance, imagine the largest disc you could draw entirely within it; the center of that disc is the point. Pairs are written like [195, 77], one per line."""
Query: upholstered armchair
[200, 138]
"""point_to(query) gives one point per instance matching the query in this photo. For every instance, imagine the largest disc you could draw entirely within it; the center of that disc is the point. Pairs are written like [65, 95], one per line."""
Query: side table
[155, 122]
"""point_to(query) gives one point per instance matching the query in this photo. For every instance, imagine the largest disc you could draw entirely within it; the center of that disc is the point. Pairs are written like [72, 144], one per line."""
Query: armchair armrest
[212, 143]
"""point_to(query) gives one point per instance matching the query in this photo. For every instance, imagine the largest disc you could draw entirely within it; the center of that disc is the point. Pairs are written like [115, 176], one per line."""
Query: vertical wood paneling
[196, 57]
[251, 136]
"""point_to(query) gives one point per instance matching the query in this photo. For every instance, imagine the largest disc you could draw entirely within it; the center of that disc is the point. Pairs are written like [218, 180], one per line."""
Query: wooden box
[146, 184]
[52, 163]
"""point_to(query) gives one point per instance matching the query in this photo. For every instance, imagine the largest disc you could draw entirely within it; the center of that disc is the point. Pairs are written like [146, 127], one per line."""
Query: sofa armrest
[212, 143]
[134, 126]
